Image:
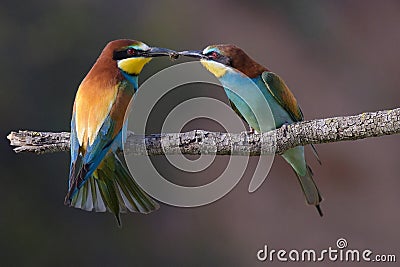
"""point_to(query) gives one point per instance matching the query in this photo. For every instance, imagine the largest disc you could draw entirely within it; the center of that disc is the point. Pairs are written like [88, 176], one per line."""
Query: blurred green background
[338, 58]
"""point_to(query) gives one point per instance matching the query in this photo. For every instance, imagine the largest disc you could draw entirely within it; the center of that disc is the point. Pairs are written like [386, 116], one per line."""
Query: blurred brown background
[338, 57]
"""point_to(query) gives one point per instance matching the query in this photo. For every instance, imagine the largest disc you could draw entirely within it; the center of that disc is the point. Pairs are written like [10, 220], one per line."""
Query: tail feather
[295, 157]
[91, 200]
[310, 189]
[112, 188]
[315, 152]
[109, 196]
[137, 199]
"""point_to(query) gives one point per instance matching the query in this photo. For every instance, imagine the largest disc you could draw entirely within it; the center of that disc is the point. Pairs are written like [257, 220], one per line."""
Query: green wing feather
[282, 94]
[279, 90]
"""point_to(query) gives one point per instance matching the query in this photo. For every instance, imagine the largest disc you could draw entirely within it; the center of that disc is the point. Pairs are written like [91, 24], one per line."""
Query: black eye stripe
[118, 55]
[217, 57]
[130, 52]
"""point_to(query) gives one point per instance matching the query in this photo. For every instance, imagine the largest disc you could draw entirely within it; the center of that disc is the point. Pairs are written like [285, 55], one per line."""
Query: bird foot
[252, 131]
[285, 127]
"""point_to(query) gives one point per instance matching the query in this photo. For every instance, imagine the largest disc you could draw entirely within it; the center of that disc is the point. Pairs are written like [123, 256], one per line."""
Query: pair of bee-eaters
[99, 178]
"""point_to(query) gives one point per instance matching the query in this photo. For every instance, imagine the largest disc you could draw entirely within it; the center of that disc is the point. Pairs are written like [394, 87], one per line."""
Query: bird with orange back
[99, 178]
[233, 67]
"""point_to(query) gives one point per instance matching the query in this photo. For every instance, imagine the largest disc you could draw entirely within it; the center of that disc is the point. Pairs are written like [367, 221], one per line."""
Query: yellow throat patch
[133, 65]
[215, 68]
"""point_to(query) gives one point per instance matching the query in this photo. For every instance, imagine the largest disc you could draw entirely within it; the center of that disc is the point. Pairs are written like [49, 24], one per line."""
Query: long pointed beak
[159, 52]
[192, 53]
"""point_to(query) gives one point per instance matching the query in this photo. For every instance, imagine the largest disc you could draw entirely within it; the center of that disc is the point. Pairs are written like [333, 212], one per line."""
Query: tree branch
[369, 124]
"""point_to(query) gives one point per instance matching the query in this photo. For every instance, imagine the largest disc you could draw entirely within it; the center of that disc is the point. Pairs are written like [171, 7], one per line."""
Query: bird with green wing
[233, 67]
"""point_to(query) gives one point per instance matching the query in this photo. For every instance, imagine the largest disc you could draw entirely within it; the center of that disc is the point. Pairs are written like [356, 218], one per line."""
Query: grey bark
[368, 124]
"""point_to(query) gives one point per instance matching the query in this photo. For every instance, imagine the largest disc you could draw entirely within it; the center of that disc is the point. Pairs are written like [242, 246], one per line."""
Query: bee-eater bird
[99, 178]
[232, 66]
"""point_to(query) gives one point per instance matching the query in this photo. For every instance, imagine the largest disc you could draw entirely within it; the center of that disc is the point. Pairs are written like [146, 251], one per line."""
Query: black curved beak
[159, 52]
[192, 53]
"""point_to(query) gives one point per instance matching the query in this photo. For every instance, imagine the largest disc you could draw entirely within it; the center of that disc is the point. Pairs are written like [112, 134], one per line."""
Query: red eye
[130, 51]
[214, 54]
